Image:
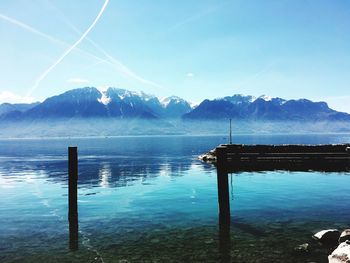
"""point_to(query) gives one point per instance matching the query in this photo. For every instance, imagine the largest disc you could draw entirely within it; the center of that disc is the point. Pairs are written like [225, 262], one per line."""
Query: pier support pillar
[73, 197]
[224, 204]
[223, 189]
[224, 243]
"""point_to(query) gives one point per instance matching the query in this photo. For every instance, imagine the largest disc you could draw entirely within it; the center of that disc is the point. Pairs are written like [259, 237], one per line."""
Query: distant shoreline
[172, 135]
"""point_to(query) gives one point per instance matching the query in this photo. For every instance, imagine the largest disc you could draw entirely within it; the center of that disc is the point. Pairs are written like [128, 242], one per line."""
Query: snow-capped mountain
[111, 102]
[174, 106]
[117, 103]
[239, 99]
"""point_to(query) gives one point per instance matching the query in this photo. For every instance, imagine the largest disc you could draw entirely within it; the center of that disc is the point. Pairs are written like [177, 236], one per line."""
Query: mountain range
[90, 102]
[264, 108]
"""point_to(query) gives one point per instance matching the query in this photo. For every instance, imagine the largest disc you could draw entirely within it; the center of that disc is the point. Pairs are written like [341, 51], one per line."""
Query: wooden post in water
[223, 189]
[73, 197]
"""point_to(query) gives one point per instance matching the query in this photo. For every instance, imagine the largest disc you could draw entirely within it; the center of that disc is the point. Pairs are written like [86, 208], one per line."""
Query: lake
[148, 199]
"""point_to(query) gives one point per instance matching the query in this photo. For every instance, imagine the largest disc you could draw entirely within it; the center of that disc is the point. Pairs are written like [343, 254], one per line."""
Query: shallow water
[149, 199]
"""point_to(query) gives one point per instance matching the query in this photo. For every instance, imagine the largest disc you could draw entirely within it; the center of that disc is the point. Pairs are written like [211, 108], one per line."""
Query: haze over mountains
[21, 107]
[116, 103]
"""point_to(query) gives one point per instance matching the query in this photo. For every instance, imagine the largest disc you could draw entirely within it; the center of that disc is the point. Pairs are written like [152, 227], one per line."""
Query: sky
[195, 49]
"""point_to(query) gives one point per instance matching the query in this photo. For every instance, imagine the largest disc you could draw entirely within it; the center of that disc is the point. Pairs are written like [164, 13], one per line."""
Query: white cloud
[77, 81]
[189, 74]
[8, 96]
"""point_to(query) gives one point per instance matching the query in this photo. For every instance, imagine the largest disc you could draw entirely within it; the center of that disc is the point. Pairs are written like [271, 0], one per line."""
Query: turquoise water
[148, 199]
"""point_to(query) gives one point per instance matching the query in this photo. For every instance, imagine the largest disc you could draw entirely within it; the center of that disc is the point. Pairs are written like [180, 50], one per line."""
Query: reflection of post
[222, 179]
[224, 242]
[73, 197]
[224, 204]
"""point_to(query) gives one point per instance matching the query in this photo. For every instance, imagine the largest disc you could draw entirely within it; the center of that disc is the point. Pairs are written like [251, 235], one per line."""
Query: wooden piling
[224, 243]
[73, 197]
[223, 188]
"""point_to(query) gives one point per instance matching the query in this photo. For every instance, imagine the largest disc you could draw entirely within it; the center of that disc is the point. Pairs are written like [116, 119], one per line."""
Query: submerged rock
[210, 241]
[341, 254]
[329, 236]
[155, 240]
[345, 235]
[302, 249]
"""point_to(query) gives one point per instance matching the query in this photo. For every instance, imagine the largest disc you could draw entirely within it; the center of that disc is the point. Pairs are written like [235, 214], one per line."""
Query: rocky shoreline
[338, 242]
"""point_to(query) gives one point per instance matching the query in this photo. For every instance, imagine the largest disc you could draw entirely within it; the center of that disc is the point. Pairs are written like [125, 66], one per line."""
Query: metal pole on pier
[230, 131]
[73, 197]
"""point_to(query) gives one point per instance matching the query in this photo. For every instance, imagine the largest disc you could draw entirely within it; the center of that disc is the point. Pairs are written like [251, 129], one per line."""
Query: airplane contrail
[256, 75]
[47, 36]
[48, 70]
[115, 63]
[121, 67]
[199, 15]
[31, 29]
[118, 65]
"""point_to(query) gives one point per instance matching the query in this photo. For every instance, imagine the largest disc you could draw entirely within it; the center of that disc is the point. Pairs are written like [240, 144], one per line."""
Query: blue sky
[193, 49]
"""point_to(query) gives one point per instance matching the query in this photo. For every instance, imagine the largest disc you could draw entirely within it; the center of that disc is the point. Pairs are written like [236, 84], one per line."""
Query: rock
[302, 249]
[155, 240]
[329, 236]
[345, 235]
[210, 241]
[209, 157]
[341, 254]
